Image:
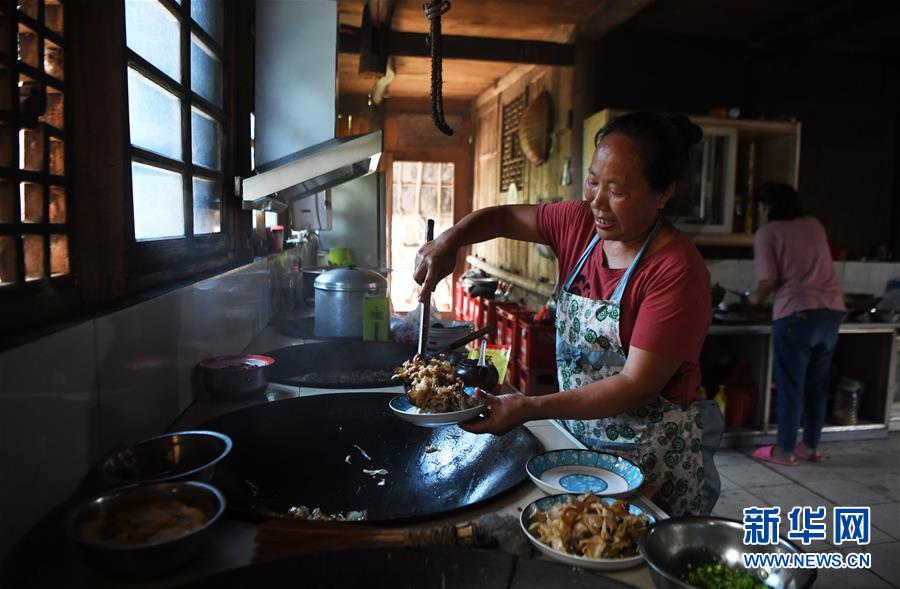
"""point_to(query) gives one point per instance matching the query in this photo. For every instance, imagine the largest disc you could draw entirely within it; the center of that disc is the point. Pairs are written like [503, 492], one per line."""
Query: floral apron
[672, 444]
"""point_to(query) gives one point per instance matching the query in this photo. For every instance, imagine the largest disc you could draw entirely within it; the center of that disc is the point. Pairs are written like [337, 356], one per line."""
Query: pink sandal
[804, 455]
[765, 453]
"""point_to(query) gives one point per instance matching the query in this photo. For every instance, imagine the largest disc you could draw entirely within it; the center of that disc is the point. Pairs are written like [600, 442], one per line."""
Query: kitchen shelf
[865, 350]
[542, 288]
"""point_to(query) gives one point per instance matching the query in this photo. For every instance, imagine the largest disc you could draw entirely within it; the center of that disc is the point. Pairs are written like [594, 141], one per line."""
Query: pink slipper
[804, 455]
[765, 453]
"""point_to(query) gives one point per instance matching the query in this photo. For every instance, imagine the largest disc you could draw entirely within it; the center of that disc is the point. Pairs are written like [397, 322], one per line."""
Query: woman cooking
[632, 314]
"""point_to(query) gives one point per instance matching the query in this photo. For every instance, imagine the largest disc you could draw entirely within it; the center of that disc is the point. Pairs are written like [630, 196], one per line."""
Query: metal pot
[152, 558]
[340, 294]
[235, 377]
[310, 273]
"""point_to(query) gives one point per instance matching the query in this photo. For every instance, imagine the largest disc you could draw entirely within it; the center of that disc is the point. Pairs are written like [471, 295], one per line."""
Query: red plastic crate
[506, 323]
[507, 331]
[536, 349]
[473, 308]
[460, 300]
[479, 312]
[490, 315]
[535, 382]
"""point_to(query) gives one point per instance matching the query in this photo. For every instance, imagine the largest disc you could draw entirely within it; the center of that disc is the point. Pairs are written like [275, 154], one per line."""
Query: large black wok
[344, 364]
[309, 451]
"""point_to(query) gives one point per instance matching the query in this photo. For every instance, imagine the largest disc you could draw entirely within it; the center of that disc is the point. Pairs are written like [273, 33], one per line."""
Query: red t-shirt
[666, 308]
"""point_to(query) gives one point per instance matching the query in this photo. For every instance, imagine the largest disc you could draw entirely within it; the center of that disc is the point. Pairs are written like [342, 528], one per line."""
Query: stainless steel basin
[672, 545]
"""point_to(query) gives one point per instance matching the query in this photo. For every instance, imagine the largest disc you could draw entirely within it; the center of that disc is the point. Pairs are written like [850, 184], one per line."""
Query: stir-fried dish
[154, 521]
[719, 576]
[433, 387]
[589, 527]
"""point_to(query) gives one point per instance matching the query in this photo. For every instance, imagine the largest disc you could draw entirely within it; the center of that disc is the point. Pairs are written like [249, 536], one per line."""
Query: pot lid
[350, 279]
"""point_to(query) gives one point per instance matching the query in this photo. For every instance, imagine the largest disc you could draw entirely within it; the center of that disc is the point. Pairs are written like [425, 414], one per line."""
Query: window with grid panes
[176, 117]
[34, 226]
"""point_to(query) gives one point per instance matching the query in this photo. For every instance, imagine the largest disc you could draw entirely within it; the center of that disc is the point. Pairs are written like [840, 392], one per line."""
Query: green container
[376, 319]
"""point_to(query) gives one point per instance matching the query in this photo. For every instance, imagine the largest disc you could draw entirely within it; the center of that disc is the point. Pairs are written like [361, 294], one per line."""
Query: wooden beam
[473, 48]
[373, 36]
[382, 12]
[609, 15]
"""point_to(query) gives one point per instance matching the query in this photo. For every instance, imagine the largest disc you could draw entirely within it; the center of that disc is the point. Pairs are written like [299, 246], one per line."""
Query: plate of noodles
[587, 531]
[435, 396]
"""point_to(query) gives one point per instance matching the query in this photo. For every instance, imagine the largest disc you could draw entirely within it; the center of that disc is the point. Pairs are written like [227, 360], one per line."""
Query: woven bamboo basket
[535, 128]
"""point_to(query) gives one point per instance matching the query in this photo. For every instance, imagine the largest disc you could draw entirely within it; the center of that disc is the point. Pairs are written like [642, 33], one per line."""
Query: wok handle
[425, 308]
[447, 535]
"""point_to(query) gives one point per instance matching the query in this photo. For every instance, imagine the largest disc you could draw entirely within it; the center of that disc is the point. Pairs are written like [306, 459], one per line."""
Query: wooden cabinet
[714, 200]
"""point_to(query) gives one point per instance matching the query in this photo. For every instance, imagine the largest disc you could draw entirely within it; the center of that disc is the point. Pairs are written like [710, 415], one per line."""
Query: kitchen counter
[233, 541]
[765, 328]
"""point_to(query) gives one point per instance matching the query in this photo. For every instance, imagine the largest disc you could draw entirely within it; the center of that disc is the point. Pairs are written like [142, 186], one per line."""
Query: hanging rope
[433, 11]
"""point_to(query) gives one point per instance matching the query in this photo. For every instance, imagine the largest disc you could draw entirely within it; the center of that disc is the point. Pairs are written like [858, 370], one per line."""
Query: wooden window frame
[197, 251]
[49, 294]
[114, 270]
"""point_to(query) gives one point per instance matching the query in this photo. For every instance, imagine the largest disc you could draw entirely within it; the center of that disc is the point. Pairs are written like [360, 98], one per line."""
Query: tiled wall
[71, 397]
[855, 277]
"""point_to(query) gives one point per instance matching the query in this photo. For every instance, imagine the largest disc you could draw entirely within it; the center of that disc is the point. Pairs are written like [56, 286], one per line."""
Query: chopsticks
[425, 308]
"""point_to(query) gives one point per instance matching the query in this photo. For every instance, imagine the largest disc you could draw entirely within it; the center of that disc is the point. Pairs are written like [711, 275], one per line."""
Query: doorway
[420, 191]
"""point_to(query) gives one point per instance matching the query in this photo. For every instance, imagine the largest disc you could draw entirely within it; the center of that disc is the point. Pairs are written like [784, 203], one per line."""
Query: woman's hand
[504, 413]
[435, 260]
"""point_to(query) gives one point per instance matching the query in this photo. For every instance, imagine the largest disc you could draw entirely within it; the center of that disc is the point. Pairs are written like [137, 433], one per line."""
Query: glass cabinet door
[704, 199]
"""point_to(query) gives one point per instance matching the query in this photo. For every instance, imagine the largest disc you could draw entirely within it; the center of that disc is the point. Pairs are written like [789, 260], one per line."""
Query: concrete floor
[853, 474]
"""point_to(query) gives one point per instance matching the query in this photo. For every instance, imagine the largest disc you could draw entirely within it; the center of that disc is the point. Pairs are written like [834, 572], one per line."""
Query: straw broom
[277, 538]
[287, 537]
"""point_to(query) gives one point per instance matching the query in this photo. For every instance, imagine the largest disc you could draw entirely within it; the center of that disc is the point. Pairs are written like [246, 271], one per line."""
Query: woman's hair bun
[665, 142]
[689, 133]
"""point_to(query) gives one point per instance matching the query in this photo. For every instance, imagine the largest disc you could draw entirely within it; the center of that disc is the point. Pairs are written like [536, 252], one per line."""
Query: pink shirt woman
[795, 255]
[793, 261]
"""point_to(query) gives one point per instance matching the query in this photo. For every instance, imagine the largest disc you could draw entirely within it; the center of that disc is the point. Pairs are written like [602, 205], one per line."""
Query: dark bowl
[236, 377]
[153, 558]
[176, 456]
[473, 375]
[672, 545]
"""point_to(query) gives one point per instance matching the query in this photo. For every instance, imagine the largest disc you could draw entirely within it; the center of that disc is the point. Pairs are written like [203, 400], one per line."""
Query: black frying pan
[293, 452]
[344, 364]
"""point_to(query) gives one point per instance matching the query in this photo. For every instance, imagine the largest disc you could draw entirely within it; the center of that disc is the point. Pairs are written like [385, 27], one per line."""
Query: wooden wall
[540, 183]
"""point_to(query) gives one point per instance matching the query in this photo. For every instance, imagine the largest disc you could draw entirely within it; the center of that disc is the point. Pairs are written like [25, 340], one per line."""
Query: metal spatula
[425, 308]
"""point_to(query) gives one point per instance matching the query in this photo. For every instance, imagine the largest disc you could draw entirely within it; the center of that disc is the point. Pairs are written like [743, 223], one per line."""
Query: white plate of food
[435, 396]
[590, 541]
[406, 411]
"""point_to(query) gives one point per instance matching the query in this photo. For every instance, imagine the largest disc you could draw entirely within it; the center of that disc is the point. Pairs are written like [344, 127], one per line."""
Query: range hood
[309, 171]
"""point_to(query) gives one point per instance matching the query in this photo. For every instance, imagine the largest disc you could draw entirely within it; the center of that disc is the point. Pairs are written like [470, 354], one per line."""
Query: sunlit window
[176, 116]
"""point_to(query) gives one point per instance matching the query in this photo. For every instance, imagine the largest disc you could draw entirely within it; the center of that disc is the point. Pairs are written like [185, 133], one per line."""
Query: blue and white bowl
[602, 564]
[580, 471]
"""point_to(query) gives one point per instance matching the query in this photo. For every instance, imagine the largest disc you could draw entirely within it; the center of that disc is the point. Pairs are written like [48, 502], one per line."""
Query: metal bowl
[235, 377]
[672, 545]
[150, 559]
[188, 455]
